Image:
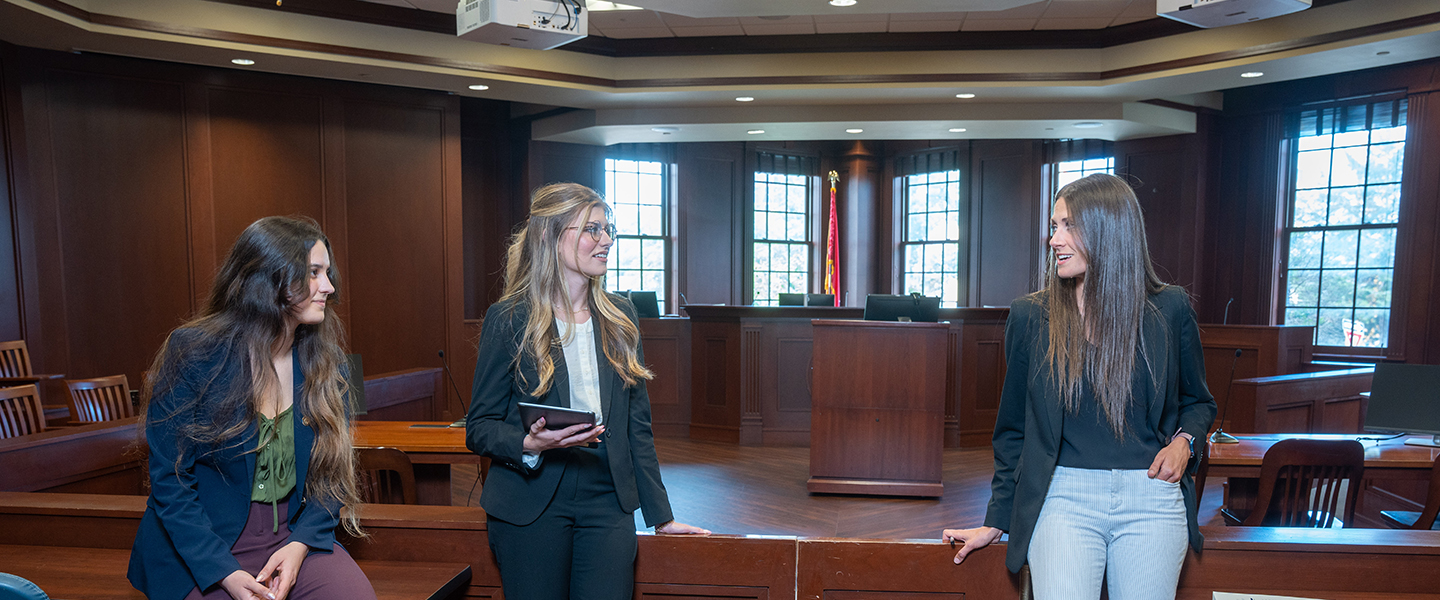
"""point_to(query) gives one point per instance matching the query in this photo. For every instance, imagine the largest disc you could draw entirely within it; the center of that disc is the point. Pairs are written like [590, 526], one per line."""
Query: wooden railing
[1327, 564]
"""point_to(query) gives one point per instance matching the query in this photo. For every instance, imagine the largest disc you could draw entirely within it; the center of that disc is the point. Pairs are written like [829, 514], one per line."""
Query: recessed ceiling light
[1088, 124]
[479, 87]
[744, 99]
[1251, 74]
[755, 131]
[1382, 53]
[242, 61]
[957, 130]
[966, 95]
[854, 131]
[665, 130]
[842, 2]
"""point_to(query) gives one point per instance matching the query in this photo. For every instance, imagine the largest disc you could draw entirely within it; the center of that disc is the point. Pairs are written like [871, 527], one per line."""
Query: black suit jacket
[1027, 428]
[518, 494]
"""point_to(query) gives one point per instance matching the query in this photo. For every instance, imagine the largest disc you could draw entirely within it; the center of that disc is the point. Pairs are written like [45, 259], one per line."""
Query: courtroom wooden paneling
[710, 225]
[102, 458]
[667, 353]
[139, 175]
[1327, 402]
[272, 169]
[108, 252]
[714, 377]
[842, 569]
[11, 152]
[865, 230]
[556, 162]
[1007, 217]
[1171, 176]
[972, 400]
[495, 196]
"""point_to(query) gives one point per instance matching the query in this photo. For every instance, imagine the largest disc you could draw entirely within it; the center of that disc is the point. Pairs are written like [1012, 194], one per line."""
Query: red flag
[832, 247]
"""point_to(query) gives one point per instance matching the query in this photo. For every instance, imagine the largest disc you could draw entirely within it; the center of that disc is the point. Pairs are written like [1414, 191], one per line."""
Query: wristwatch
[1188, 438]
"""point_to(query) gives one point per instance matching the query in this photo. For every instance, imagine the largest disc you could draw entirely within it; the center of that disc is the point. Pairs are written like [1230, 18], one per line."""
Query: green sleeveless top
[275, 462]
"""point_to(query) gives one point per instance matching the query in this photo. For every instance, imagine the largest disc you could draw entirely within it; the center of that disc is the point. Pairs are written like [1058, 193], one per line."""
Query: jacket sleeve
[487, 432]
[1009, 437]
[173, 489]
[1197, 405]
[654, 500]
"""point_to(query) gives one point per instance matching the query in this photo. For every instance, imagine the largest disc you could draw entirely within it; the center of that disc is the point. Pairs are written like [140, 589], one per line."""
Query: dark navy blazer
[197, 509]
[1027, 427]
[518, 494]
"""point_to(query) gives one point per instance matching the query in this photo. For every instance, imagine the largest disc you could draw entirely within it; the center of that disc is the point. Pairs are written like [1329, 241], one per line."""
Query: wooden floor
[761, 491]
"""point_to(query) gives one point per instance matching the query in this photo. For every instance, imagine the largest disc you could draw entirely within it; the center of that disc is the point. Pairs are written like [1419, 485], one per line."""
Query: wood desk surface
[99, 573]
[412, 440]
[1383, 454]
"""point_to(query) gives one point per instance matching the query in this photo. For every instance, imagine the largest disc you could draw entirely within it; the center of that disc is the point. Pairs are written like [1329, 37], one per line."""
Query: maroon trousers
[332, 576]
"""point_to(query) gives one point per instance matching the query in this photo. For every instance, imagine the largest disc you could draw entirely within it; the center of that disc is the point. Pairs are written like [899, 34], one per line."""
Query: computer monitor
[1405, 397]
[914, 307]
[647, 306]
[792, 299]
[819, 299]
[355, 377]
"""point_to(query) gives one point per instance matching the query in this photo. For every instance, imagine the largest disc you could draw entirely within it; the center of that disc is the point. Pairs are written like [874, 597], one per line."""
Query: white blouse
[583, 366]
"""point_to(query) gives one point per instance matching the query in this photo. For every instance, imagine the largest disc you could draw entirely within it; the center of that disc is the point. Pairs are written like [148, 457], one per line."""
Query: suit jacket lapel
[561, 382]
[1152, 329]
[608, 378]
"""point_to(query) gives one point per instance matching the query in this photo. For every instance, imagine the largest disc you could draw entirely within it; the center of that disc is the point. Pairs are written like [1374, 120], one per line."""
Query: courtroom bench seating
[1328, 564]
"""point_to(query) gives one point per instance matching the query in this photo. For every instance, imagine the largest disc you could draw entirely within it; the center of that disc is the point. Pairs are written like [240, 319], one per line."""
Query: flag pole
[832, 246]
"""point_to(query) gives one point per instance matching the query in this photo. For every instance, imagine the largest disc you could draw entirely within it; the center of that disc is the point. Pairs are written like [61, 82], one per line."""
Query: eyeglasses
[595, 230]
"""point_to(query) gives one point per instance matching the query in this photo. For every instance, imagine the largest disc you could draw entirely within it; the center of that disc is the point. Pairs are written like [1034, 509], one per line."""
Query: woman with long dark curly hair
[246, 418]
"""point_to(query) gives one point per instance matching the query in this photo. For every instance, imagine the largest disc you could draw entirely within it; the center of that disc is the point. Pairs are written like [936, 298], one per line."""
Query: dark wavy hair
[266, 273]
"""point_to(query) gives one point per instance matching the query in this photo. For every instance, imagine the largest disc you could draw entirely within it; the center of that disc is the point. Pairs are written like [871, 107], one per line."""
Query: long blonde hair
[1101, 344]
[266, 273]
[534, 275]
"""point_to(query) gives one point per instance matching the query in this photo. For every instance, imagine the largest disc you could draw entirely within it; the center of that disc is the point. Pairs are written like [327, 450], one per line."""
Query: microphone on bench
[456, 389]
[1220, 437]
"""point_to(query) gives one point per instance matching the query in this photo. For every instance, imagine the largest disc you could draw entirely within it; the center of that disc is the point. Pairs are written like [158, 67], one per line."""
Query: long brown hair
[534, 275]
[1101, 344]
[265, 274]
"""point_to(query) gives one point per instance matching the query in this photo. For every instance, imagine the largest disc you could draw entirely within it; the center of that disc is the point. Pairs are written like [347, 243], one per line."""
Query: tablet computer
[555, 416]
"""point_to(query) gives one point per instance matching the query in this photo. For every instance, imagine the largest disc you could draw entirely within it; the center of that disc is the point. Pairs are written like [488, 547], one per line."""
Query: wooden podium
[878, 408]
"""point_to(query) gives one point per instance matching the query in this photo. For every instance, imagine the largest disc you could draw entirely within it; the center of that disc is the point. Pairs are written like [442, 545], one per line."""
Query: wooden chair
[1425, 519]
[386, 476]
[1301, 482]
[99, 399]
[20, 411]
[15, 365]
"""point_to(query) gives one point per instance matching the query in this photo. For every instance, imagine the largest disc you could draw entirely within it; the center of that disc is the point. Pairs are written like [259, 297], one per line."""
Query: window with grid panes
[1344, 208]
[782, 227]
[934, 210]
[1067, 171]
[635, 190]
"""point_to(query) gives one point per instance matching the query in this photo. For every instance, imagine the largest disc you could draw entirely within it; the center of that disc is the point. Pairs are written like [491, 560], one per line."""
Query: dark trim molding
[1253, 51]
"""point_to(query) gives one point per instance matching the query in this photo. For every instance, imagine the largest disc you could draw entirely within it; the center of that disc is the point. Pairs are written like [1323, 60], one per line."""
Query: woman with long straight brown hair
[560, 503]
[247, 422]
[1104, 397]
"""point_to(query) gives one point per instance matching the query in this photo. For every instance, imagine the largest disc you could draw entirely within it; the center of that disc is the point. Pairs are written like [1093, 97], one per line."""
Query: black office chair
[14, 587]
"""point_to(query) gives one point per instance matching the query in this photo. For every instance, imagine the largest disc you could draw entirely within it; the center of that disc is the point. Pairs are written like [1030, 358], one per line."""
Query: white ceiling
[1038, 94]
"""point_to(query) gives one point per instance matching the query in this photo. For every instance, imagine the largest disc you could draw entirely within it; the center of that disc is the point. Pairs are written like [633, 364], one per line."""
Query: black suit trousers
[581, 547]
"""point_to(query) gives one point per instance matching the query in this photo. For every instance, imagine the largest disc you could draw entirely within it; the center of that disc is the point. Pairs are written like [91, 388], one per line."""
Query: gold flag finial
[833, 178]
